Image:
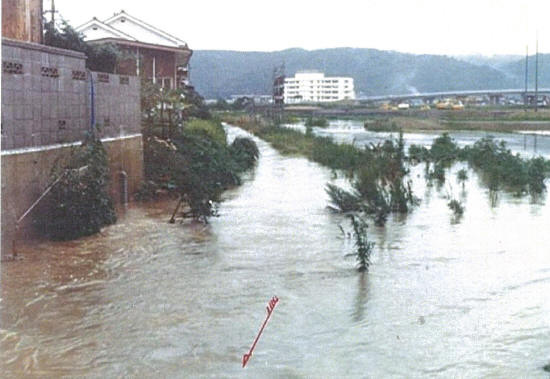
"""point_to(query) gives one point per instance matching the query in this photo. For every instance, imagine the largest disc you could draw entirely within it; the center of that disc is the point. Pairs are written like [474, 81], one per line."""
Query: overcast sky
[417, 26]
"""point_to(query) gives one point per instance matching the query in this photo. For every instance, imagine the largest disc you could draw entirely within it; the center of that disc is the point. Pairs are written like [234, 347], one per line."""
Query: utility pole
[537, 74]
[525, 96]
[53, 12]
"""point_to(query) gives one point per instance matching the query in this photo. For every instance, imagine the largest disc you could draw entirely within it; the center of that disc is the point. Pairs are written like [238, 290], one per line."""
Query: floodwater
[145, 298]
[525, 143]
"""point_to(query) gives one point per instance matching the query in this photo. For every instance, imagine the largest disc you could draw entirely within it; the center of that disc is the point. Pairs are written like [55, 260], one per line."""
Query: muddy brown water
[145, 298]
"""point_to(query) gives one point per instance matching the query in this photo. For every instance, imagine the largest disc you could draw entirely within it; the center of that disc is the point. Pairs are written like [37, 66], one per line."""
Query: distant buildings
[147, 51]
[313, 86]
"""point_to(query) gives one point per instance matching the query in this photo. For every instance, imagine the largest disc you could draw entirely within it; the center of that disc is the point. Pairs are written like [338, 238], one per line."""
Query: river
[145, 298]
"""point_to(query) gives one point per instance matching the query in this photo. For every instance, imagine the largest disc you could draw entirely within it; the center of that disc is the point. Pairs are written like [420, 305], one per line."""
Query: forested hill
[220, 73]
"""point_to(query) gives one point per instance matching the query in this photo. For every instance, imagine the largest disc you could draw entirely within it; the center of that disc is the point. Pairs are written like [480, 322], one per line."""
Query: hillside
[218, 74]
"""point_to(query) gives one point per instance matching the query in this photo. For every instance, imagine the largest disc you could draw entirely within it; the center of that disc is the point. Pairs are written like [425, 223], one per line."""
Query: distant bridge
[493, 94]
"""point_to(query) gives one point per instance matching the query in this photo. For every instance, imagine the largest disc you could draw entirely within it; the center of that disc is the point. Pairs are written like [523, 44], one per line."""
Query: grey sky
[418, 26]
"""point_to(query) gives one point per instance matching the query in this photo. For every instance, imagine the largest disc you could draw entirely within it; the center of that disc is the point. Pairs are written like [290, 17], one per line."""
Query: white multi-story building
[313, 86]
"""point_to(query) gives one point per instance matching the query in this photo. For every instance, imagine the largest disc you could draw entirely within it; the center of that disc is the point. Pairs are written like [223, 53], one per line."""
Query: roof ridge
[95, 19]
[134, 18]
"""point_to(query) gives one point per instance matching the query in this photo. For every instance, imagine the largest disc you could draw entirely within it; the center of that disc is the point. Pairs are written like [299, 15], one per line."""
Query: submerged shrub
[320, 122]
[419, 153]
[437, 173]
[456, 207]
[499, 168]
[343, 201]
[245, 152]
[444, 149]
[363, 246]
[462, 175]
[79, 204]
[536, 174]
[204, 168]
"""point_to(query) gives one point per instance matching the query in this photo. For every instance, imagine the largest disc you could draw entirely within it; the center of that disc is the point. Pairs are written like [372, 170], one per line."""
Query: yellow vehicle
[450, 104]
[458, 106]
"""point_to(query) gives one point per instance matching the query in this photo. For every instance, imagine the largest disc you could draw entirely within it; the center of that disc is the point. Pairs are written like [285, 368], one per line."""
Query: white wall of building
[311, 86]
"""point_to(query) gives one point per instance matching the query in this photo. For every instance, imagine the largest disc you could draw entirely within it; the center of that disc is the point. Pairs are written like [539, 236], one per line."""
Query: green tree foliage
[100, 57]
[245, 152]
[79, 204]
[197, 164]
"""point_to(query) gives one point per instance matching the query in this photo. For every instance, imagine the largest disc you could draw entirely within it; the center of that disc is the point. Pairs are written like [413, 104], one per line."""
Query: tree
[100, 57]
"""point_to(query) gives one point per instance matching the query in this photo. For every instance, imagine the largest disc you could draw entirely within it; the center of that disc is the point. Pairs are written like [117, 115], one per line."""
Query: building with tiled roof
[146, 50]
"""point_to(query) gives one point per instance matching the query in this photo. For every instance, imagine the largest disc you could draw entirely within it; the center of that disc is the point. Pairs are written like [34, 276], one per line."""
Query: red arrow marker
[271, 305]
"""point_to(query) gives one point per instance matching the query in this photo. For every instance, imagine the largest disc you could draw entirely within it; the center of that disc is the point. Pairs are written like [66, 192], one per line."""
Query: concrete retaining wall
[46, 111]
[26, 173]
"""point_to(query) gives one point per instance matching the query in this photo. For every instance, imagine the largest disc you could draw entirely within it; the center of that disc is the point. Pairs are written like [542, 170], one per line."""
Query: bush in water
[197, 164]
[79, 204]
[462, 175]
[363, 246]
[456, 207]
[245, 152]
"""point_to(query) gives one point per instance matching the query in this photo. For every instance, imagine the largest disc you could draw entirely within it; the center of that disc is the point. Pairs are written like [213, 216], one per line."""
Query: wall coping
[35, 149]
[42, 48]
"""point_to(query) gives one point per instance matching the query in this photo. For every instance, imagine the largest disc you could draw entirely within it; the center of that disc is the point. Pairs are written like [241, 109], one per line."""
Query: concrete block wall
[117, 104]
[46, 109]
[44, 98]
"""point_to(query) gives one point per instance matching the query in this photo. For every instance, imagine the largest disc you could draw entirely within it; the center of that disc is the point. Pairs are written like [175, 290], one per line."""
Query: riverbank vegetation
[320, 122]
[363, 246]
[79, 203]
[493, 120]
[186, 153]
[377, 175]
[497, 166]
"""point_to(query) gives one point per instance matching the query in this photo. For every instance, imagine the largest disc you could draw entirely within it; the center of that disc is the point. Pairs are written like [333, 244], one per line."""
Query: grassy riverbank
[487, 120]
[322, 150]
[376, 172]
[493, 119]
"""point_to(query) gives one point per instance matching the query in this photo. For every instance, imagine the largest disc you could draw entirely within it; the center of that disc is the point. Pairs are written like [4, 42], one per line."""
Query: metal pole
[29, 210]
[92, 104]
[537, 75]
[154, 71]
[53, 14]
[525, 97]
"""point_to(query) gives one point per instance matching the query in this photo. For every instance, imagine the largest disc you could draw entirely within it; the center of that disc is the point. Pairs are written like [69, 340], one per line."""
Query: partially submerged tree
[79, 204]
